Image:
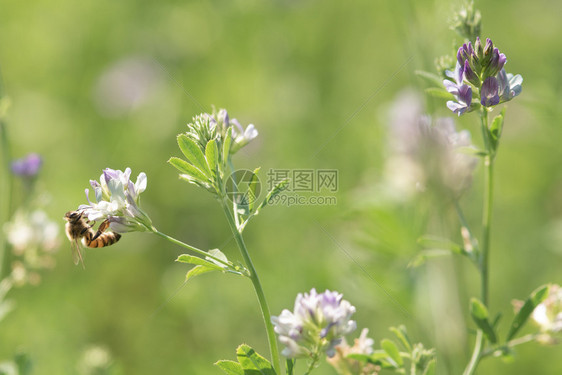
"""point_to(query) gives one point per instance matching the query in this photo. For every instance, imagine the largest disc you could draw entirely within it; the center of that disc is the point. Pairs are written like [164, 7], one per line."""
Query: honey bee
[80, 233]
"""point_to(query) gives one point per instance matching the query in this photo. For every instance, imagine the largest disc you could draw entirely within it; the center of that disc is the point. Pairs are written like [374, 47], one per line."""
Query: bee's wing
[75, 246]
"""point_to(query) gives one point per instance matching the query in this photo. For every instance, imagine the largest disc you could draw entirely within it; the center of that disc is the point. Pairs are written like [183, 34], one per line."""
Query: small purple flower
[27, 166]
[497, 62]
[461, 91]
[317, 325]
[489, 94]
[470, 75]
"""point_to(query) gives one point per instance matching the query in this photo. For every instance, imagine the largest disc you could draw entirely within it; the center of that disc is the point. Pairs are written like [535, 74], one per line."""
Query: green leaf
[201, 265]
[430, 368]
[430, 77]
[439, 243]
[230, 367]
[185, 258]
[392, 350]
[188, 169]
[538, 296]
[402, 335]
[227, 143]
[212, 155]
[193, 153]
[250, 360]
[479, 314]
[439, 93]
[469, 150]
[277, 189]
[496, 129]
[198, 270]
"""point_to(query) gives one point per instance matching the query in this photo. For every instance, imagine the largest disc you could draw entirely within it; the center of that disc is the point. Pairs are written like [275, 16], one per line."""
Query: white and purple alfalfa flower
[482, 67]
[240, 136]
[27, 166]
[317, 324]
[461, 91]
[207, 126]
[117, 199]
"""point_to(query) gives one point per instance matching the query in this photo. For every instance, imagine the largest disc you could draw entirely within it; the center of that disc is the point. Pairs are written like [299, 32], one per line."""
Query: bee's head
[72, 216]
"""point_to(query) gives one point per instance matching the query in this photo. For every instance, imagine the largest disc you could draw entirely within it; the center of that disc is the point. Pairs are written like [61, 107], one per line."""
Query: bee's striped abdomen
[105, 239]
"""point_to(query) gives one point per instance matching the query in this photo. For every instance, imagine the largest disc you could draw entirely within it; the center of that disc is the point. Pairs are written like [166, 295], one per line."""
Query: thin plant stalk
[257, 286]
[483, 264]
[7, 191]
[189, 247]
[511, 344]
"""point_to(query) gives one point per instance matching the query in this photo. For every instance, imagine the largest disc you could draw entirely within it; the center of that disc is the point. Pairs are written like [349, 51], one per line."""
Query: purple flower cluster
[27, 166]
[482, 68]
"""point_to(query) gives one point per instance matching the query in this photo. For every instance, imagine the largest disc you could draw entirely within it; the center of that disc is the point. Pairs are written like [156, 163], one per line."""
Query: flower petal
[489, 93]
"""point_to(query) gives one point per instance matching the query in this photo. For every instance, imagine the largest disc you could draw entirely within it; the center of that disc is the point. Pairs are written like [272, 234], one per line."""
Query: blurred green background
[98, 84]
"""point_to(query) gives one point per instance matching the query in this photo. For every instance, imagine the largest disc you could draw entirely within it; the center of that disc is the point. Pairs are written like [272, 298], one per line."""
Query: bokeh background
[97, 84]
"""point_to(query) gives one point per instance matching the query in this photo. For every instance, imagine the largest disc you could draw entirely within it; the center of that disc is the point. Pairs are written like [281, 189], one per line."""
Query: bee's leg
[102, 228]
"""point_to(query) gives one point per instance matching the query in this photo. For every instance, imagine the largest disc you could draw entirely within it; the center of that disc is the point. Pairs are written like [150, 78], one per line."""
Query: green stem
[312, 365]
[192, 248]
[510, 344]
[475, 359]
[485, 248]
[257, 287]
[6, 191]
[487, 210]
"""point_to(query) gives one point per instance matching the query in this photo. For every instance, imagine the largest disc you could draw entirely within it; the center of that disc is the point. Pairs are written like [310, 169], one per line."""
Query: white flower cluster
[117, 199]
[424, 153]
[548, 314]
